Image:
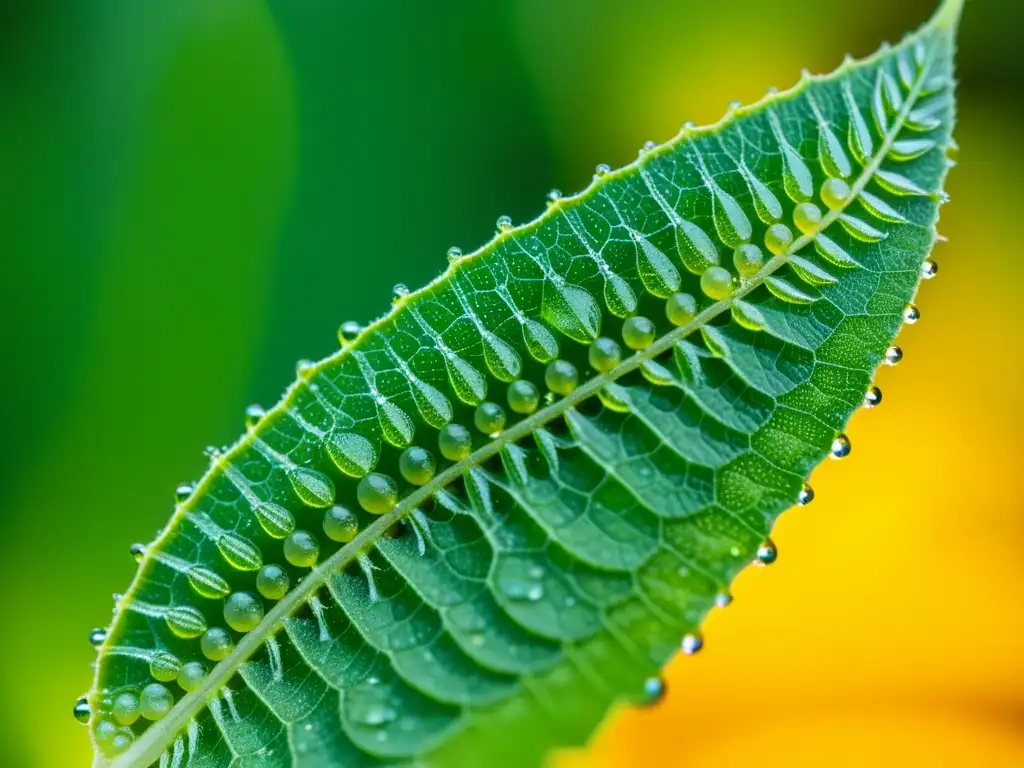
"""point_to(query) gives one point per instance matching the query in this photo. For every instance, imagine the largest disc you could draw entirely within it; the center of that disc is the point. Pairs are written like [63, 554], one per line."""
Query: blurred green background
[197, 192]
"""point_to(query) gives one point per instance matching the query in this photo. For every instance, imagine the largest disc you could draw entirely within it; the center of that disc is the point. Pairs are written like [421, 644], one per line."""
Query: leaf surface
[557, 456]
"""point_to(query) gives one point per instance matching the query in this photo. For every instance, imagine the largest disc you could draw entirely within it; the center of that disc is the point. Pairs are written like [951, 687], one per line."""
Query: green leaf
[393, 567]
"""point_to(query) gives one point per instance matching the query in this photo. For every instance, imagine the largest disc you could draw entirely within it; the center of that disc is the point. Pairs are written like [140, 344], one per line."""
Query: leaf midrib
[156, 738]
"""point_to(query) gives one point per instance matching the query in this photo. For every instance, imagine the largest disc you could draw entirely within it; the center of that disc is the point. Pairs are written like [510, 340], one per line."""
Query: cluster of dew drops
[378, 493]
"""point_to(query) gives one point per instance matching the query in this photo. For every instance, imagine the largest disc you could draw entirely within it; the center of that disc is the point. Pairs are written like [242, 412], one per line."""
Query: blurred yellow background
[198, 192]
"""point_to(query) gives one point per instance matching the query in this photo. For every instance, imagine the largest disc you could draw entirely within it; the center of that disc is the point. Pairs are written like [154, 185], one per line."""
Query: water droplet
[417, 465]
[929, 269]
[182, 492]
[489, 418]
[348, 331]
[766, 554]
[123, 739]
[681, 308]
[692, 643]
[164, 666]
[561, 377]
[243, 611]
[835, 193]
[807, 217]
[104, 731]
[778, 238]
[454, 254]
[723, 599]
[747, 259]
[806, 495]
[340, 524]
[649, 145]
[554, 196]
[303, 368]
[81, 710]
[377, 493]
[253, 414]
[399, 292]
[155, 702]
[272, 581]
[638, 332]
[192, 675]
[523, 397]
[455, 442]
[603, 169]
[216, 644]
[716, 282]
[126, 708]
[841, 447]
[604, 354]
[893, 355]
[301, 549]
[274, 519]
[911, 314]
[137, 551]
[873, 397]
[654, 691]
[97, 637]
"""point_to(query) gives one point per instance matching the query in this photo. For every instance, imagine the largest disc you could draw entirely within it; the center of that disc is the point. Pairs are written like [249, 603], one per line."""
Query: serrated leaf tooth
[903, 150]
[540, 342]
[434, 407]
[898, 184]
[353, 454]
[501, 359]
[572, 311]
[618, 296]
[614, 397]
[830, 250]
[877, 207]
[731, 222]
[657, 272]
[747, 315]
[766, 204]
[469, 384]
[395, 424]
[861, 230]
[785, 290]
[810, 272]
[514, 460]
[696, 250]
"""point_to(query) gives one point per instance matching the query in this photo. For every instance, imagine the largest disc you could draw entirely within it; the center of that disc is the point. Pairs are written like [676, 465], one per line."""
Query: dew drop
[681, 308]
[164, 666]
[841, 447]
[654, 691]
[104, 731]
[155, 702]
[303, 368]
[893, 355]
[504, 223]
[835, 193]
[489, 418]
[561, 377]
[348, 331]
[216, 644]
[523, 397]
[123, 739]
[778, 238]
[454, 254]
[807, 217]
[767, 553]
[554, 196]
[340, 524]
[126, 708]
[604, 354]
[97, 637]
[455, 442]
[243, 611]
[253, 414]
[137, 551]
[911, 314]
[399, 291]
[603, 169]
[716, 282]
[872, 397]
[649, 146]
[192, 675]
[272, 581]
[806, 495]
[182, 492]
[638, 332]
[301, 549]
[417, 465]
[377, 493]
[748, 259]
[723, 599]
[929, 269]
[81, 710]
[692, 643]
